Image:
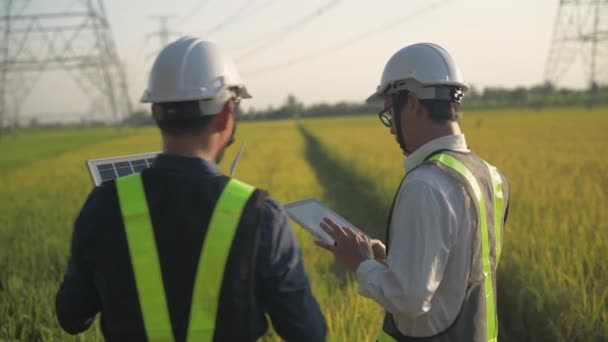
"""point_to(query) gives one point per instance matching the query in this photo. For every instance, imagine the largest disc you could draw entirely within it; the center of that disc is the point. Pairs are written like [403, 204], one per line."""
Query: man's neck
[439, 131]
[188, 147]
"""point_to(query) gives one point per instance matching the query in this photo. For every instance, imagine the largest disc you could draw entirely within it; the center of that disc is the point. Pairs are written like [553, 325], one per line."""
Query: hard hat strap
[399, 102]
[184, 110]
[443, 93]
[425, 92]
[176, 110]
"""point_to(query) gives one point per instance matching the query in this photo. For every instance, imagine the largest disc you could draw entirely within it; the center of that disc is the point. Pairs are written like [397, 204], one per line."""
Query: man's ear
[223, 118]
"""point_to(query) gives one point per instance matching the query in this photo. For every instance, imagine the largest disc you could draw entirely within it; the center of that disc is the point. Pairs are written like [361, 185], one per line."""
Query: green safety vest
[487, 260]
[146, 266]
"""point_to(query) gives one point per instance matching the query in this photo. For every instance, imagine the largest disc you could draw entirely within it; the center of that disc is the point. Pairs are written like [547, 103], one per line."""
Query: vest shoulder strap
[214, 254]
[458, 166]
[144, 258]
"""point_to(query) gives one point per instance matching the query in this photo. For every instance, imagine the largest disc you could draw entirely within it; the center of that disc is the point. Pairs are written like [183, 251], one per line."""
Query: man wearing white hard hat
[182, 252]
[436, 278]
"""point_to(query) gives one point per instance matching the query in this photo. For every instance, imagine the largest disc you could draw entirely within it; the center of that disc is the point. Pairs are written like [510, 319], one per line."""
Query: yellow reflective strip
[208, 283]
[498, 208]
[491, 318]
[144, 258]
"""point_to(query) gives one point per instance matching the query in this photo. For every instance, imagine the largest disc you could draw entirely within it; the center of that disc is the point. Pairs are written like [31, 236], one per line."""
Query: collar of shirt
[186, 164]
[454, 142]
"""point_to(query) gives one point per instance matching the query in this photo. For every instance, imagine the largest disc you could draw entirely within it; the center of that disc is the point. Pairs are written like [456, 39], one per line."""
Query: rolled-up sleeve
[284, 287]
[77, 301]
[421, 238]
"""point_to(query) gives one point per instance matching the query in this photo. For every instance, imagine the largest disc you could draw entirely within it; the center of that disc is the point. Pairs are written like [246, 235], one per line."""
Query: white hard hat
[425, 69]
[191, 69]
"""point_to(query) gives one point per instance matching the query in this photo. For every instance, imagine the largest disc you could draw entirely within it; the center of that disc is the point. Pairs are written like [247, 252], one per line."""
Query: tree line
[536, 97]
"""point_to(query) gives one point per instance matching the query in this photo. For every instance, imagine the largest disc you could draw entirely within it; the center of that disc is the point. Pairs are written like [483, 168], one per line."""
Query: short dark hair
[442, 111]
[180, 118]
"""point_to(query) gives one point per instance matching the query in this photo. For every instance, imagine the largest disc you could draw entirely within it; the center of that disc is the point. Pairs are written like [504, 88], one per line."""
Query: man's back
[263, 271]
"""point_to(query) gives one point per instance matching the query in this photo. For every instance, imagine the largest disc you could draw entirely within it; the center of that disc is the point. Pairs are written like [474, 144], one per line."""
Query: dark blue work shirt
[282, 287]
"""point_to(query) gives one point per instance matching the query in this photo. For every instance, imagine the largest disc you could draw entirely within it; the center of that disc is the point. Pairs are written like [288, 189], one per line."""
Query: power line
[353, 40]
[290, 28]
[192, 12]
[255, 10]
[230, 19]
[164, 34]
[264, 5]
[203, 3]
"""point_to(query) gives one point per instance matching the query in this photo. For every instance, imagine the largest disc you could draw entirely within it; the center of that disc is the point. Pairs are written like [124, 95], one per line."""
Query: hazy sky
[495, 43]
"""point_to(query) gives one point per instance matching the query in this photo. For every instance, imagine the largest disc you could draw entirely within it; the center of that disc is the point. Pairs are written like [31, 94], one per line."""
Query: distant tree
[293, 106]
[34, 122]
[472, 93]
[519, 95]
[139, 118]
[537, 97]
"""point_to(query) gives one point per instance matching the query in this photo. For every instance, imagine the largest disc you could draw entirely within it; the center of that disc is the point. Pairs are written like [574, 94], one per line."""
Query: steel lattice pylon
[580, 31]
[78, 41]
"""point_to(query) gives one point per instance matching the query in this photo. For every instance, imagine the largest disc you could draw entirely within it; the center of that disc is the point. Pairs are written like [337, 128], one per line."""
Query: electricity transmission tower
[164, 34]
[580, 31]
[78, 41]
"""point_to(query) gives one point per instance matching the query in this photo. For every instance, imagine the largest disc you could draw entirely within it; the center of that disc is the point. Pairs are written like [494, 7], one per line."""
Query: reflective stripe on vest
[498, 207]
[491, 318]
[146, 265]
[498, 200]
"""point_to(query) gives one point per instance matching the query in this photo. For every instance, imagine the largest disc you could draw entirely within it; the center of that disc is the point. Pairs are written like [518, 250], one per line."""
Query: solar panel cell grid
[139, 165]
[123, 168]
[106, 171]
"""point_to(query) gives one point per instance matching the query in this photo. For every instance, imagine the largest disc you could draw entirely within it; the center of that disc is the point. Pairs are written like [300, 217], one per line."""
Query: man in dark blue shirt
[196, 111]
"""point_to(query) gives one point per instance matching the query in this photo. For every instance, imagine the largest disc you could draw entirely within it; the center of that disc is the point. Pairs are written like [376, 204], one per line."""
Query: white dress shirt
[429, 257]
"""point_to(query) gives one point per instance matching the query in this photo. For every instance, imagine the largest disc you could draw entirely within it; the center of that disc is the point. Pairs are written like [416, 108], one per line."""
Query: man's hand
[351, 248]
[379, 251]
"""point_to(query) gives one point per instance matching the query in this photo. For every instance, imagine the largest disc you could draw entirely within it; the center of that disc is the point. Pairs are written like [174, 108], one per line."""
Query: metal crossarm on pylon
[580, 33]
[78, 41]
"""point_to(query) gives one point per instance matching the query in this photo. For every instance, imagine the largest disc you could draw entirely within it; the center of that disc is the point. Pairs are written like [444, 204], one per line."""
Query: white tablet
[309, 213]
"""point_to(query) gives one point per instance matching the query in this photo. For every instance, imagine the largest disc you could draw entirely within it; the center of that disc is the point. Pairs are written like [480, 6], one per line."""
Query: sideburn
[399, 100]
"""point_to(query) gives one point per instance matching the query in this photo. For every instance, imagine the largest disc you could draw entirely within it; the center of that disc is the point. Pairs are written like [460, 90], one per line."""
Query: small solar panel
[105, 169]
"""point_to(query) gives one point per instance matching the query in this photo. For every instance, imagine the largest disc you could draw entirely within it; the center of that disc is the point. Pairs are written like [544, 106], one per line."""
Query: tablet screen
[310, 212]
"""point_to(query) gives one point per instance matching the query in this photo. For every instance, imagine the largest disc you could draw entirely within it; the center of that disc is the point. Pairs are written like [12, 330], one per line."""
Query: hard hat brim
[374, 98]
[147, 97]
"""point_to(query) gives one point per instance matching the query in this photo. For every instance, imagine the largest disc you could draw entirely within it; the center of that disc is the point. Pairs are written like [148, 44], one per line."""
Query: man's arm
[422, 237]
[283, 284]
[77, 301]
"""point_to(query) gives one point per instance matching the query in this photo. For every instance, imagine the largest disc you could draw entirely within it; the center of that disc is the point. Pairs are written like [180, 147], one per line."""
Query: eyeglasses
[386, 115]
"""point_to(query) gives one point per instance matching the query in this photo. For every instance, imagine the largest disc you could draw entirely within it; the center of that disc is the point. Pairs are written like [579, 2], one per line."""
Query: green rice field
[553, 274]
